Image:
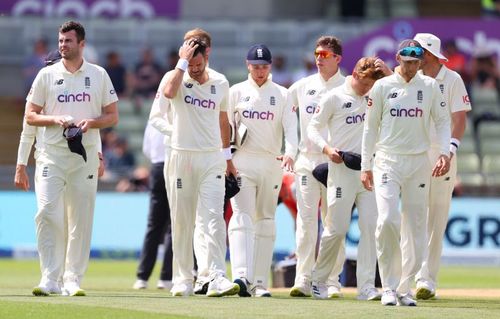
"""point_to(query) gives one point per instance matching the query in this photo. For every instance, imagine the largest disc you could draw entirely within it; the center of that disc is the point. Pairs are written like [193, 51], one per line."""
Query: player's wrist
[454, 145]
[182, 64]
[226, 152]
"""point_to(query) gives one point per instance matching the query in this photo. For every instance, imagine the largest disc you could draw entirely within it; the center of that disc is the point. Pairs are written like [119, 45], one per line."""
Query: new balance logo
[347, 105]
[218, 176]
[338, 192]
[179, 183]
[304, 180]
[421, 186]
[188, 85]
[245, 99]
[59, 82]
[392, 95]
[311, 92]
[447, 178]
[275, 186]
[90, 176]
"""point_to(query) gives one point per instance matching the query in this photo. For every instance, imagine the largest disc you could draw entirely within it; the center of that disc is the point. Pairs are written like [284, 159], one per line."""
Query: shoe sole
[296, 292]
[424, 294]
[335, 296]
[79, 293]
[243, 288]
[400, 304]
[389, 304]
[231, 291]
[39, 292]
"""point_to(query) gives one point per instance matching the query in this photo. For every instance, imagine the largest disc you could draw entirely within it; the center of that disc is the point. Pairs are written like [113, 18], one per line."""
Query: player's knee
[240, 222]
[265, 228]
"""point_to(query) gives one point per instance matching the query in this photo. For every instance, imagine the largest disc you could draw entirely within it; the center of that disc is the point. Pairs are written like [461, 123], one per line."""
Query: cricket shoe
[244, 287]
[369, 294]
[182, 290]
[47, 287]
[389, 298]
[406, 300]
[334, 292]
[319, 290]
[164, 284]
[424, 290]
[201, 285]
[220, 286]
[72, 288]
[260, 291]
[301, 289]
[140, 284]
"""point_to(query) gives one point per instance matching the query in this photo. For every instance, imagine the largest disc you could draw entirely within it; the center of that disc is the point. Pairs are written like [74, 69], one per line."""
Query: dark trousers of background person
[158, 230]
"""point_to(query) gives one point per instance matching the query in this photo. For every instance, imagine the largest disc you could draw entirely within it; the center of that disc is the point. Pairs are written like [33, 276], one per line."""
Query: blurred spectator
[147, 76]
[280, 73]
[138, 182]
[457, 61]
[119, 160]
[308, 68]
[90, 53]
[171, 62]
[484, 70]
[117, 72]
[34, 63]
[490, 8]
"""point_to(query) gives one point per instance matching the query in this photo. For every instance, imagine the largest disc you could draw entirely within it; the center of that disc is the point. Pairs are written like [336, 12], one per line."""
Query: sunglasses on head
[414, 52]
[324, 54]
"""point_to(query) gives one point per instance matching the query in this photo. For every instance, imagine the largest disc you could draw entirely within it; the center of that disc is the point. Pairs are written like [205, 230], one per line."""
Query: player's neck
[432, 69]
[73, 65]
[327, 74]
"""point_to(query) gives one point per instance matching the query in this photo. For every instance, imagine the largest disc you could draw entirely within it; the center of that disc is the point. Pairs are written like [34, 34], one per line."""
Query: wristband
[227, 153]
[182, 65]
[454, 144]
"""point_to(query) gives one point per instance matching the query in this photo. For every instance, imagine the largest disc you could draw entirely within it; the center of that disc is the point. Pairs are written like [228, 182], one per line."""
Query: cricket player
[197, 166]
[71, 91]
[306, 94]
[265, 108]
[458, 104]
[342, 110]
[398, 120]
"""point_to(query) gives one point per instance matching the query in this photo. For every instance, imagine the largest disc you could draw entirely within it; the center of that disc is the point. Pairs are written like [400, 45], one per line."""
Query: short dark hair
[202, 46]
[73, 25]
[330, 42]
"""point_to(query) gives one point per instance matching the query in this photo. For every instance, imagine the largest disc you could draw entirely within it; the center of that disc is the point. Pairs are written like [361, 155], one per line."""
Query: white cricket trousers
[64, 230]
[309, 192]
[437, 218]
[196, 180]
[344, 190]
[401, 237]
[252, 229]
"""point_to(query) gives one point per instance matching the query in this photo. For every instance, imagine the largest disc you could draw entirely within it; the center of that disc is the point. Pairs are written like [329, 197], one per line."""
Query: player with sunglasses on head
[400, 111]
[441, 188]
[306, 94]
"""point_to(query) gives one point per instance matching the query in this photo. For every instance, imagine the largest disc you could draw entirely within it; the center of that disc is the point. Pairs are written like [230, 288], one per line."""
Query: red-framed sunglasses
[324, 54]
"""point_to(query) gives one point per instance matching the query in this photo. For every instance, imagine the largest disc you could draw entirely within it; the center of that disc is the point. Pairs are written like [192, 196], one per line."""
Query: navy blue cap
[52, 57]
[259, 54]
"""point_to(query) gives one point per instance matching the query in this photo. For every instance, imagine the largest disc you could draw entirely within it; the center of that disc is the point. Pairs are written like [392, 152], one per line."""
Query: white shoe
[220, 286]
[244, 287]
[389, 298]
[201, 285]
[47, 287]
[334, 292]
[319, 290]
[182, 290]
[425, 290]
[140, 284]
[164, 284]
[260, 291]
[72, 288]
[406, 300]
[301, 288]
[369, 294]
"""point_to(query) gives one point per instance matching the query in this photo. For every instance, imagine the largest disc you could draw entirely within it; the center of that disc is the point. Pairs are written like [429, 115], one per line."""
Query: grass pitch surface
[109, 295]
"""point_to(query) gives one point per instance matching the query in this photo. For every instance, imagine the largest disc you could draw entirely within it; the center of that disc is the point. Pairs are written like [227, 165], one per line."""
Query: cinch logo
[354, 119]
[413, 112]
[258, 115]
[206, 104]
[311, 109]
[80, 97]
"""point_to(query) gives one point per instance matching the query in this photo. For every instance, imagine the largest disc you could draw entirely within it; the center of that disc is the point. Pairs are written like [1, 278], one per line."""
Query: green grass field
[109, 295]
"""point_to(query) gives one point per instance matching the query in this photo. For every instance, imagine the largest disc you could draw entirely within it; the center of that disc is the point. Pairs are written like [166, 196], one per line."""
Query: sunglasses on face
[324, 54]
[414, 52]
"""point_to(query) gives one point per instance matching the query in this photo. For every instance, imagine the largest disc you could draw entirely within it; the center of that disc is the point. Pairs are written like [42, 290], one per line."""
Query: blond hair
[365, 68]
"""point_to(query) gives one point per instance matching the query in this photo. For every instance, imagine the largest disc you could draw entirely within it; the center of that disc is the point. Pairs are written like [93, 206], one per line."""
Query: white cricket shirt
[398, 117]
[266, 111]
[160, 116]
[196, 109]
[81, 94]
[343, 112]
[306, 94]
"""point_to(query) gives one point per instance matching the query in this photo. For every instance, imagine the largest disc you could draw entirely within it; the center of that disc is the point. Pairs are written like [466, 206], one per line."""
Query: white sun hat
[431, 43]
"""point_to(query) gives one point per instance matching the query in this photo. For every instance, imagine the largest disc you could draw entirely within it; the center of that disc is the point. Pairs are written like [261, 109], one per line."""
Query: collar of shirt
[62, 68]
[211, 77]
[402, 80]
[333, 78]
[252, 82]
[442, 73]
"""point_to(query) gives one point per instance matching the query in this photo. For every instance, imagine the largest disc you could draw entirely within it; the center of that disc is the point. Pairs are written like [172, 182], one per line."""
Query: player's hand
[63, 120]
[333, 154]
[286, 163]
[380, 65]
[187, 49]
[84, 125]
[442, 166]
[21, 179]
[100, 170]
[367, 180]
[231, 169]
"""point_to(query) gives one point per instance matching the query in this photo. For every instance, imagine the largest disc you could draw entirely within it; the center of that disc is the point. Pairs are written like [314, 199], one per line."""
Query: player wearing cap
[197, 166]
[398, 120]
[306, 94]
[265, 108]
[441, 188]
[342, 110]
[69, 91]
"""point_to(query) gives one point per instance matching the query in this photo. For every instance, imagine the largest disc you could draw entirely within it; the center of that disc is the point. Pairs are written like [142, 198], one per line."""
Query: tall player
[342, 110]
[306, 94]
[71, 91]
[197, 166]
[441, 188]
[265, 108]
[398, 120]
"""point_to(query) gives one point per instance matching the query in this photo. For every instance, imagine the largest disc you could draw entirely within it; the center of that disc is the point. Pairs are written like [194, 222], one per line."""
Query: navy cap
[52, 57]
[259, 54]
